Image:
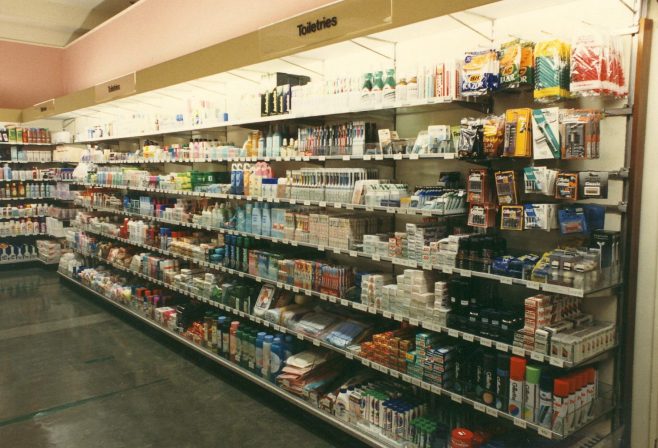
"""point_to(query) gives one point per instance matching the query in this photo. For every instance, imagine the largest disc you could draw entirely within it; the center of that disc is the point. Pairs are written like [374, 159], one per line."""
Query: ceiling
[54, 22]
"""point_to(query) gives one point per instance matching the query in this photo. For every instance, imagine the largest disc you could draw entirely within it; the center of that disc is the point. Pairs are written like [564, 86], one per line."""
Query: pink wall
[150, 32]
[154, 31]
[29, 74]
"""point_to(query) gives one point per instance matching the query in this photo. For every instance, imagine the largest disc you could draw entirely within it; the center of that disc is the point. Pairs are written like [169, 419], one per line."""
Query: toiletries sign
[338, 21]
[116, 88]
[318, 25]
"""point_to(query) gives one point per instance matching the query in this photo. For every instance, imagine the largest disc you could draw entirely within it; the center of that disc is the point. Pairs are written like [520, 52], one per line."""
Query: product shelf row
[26, 144]
[428, 325]
[455, 397]
[249, 198]
[547, 287]
[480, 103]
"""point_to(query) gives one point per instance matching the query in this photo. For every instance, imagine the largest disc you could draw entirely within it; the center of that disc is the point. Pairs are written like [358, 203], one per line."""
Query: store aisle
[75, 374]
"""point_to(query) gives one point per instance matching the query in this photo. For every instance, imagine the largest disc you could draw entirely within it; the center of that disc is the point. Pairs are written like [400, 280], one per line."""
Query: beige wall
[645, 374]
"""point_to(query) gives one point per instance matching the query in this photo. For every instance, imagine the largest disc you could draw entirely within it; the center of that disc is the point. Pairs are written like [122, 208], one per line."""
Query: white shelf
[305, 202]
[547, 287]
[26, 144]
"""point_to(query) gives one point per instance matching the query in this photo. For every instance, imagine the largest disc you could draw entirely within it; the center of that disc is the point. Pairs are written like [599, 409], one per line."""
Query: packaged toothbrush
[546, 133]
[596, 66]
[479, 72]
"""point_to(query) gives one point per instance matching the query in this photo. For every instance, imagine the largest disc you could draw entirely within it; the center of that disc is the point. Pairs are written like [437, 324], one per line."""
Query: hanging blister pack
[516, 64]
[479, 72]
[580, 133]
[593, 184]
[595, 216]
[539, 180]
[518, 133]
[477, 186]
[546, 133]
[482, 215]
[511, 217]
[540, 216]
[493, 135]
[566, 186]
[572, 220]
[506, 187]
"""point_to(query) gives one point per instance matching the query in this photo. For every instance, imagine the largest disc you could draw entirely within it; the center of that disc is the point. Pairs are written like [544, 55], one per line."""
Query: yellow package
[552, 70]
[518, 133]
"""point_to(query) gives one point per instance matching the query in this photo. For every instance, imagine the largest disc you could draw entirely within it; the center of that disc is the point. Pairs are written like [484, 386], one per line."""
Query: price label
[338, 205]
[349, 206]
[346, 158]
[295, 289]
[435, 389]
[288, 287]
[294, 243]
[397, 156]
[344, 302]
[425, 386]
[366, 157]
[241, 274]
[492, 411]
[426, 212]
[369, 209]
[468, 337]
[449, 155]
[379, 156]
[307, 202]
[321, 248]
[501, 346]
[277, 200]
[456, 398]
[397, 317]
[391, 210]
[485, 342]
[413, 156]
[537, 356]
[322, 204]
[415, 382]
[520, 423]
[365, 362]
[322, 158]
[447, 270]
[376, 258]
[545, 432]
[453, 333]
[372, 310]
[387, 314]
[360, 306]
[316, 342]
[479, 407]
[293, 201]
[349, 355]
[354, 253]
[300, 336]
[298, 159]
[413, 322]
[532, 285]
[266, 323]
[279, 285]
[336, 250]
[506, 280]
[465, 273]
[427, 266]
[518, 351]
[557, 362]
[394, 373]
[306, 159]
[332, 299]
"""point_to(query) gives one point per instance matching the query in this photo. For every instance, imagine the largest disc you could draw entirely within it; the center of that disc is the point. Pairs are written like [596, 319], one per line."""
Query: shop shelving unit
[628, 115]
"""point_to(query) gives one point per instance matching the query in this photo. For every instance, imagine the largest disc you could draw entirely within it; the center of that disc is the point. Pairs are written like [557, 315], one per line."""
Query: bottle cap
[503, 361]
[462, 435]
[261, 335]
[572, 384]
[269, 338]
[532, 374]
[545, 381]
[561, 387]
[517, 368]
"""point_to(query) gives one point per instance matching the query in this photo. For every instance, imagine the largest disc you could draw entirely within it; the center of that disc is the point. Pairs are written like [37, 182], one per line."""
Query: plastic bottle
[288, 347]
[260, 338]
[239, 336]
[220, 338]
[256, 219]
[233, 339]
[342, 404]
[247, 217]
[266, 220]
[276, 358]
[267, 353]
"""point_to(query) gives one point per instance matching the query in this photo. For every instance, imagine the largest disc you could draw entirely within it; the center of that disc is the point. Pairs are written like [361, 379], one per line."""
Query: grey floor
[75, 373]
